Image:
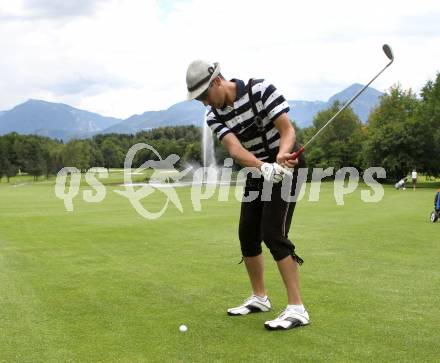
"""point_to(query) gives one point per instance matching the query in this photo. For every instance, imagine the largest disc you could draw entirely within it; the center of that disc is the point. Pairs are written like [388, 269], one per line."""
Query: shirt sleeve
[273, 101]
[218, 128]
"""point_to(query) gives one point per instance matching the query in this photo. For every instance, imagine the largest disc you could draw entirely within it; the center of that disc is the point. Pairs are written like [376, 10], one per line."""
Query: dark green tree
[393, 140]
[33, 161]
[78, 154]
[427, 127]
[193, 153]
[10, 164]
[3, 158]
[53, 154]
[338, 144]
[112, 154]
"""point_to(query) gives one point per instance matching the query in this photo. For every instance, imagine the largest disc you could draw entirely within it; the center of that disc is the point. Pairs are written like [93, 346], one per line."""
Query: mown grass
[103, 284]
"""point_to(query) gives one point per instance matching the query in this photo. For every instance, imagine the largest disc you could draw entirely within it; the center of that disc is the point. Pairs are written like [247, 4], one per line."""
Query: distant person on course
[437, 201]
[414, 178]
[400, 184]
[250, 119]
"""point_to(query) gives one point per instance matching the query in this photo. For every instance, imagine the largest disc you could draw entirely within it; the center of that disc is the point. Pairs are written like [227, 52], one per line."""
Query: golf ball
[183, 328]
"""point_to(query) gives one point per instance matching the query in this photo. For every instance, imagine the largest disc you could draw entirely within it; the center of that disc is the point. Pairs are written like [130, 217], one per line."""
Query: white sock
[297, 308]
[261, 298]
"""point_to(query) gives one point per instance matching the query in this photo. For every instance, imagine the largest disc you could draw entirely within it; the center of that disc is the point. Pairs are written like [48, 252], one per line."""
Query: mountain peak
[34, 101]
[351, 90]
[31, 101]
[355, 87]
[363, 104]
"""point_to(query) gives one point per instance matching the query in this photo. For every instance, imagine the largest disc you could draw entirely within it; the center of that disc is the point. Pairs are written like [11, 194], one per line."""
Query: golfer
[414, 178]
[250, 119]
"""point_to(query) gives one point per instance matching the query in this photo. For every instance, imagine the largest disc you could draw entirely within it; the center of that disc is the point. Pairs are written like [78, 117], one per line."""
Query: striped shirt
[239, 118]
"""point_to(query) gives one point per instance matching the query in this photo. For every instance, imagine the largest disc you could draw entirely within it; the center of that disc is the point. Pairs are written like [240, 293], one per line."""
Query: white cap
[199, 76]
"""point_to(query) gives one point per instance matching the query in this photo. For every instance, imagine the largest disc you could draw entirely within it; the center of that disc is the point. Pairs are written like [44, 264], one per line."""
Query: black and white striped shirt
[239, 118]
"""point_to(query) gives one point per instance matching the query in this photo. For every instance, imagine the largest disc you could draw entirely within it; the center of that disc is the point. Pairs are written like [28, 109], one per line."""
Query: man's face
[213, 96]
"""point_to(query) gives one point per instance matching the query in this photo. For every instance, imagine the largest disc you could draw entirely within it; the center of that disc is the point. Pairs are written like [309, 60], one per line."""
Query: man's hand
[273, 172]
[283, 160]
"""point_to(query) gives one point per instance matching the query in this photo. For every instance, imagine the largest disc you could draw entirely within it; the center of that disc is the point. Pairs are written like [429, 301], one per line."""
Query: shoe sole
[296, 324]
[252, 309]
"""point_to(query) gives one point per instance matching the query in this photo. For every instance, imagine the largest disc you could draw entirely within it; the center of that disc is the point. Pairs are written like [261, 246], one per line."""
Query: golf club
[389, 53]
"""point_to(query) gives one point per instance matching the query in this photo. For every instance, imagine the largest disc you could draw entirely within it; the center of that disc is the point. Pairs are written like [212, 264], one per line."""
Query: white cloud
[57, 9]
[120, 57]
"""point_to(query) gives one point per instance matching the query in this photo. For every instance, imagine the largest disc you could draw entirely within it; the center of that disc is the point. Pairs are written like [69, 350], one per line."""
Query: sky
[124, 57]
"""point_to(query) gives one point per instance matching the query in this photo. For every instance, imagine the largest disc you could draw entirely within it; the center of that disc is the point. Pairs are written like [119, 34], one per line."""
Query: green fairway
[102, 284]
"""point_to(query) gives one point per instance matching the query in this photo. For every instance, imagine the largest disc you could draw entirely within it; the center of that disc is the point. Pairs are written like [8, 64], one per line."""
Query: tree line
[402, 133]
[41, 156]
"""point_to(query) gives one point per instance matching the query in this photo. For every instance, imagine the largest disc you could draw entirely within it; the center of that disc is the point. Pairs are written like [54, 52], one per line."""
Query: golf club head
[388, 52]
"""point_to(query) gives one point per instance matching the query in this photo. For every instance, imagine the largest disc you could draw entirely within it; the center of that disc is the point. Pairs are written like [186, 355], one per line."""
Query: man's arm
[287, 140]
[239, 153]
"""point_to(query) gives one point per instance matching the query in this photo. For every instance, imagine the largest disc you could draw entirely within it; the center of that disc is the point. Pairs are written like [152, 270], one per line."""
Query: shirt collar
[241, 88]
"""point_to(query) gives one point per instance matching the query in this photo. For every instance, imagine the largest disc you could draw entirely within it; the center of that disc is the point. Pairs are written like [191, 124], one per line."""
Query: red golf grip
[296, 154]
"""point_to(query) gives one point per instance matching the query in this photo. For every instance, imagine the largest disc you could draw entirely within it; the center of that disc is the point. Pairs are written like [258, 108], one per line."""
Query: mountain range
[61, 121]
[55, 120]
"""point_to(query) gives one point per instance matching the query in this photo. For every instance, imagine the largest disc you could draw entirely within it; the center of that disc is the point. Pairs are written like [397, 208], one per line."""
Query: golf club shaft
[348, 103]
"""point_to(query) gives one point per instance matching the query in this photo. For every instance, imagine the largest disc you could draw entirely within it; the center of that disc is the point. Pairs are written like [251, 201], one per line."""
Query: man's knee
[250, 240]
[278, 245]
[250, 248]
[279, 251]
[282, 249]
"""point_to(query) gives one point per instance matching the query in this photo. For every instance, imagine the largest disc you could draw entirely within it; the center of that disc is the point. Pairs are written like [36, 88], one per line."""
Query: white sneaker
[288, 319]
[253, 304]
